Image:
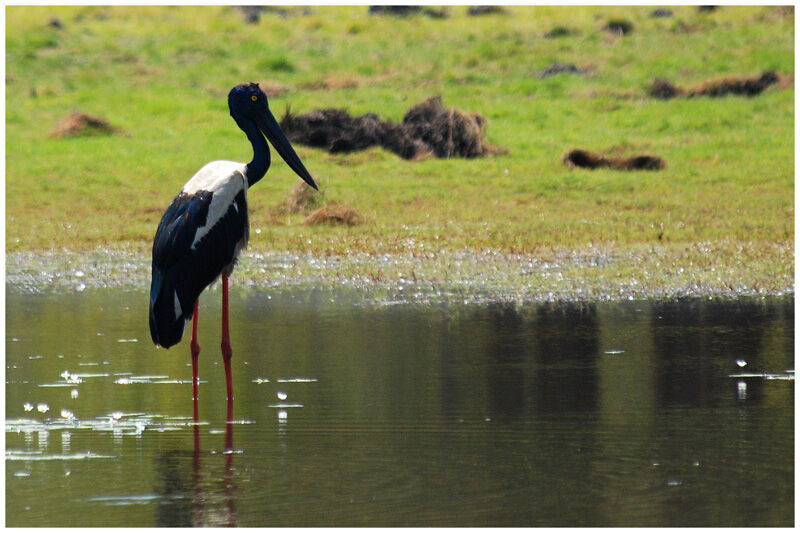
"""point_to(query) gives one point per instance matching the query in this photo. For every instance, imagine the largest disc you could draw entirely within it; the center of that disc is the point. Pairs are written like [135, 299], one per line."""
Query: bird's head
[248, 103]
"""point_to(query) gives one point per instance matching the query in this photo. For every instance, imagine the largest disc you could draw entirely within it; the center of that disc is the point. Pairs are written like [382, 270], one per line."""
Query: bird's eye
[254, 98]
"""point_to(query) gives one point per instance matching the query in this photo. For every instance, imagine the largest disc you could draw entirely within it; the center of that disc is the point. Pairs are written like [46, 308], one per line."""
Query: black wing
[182, 266]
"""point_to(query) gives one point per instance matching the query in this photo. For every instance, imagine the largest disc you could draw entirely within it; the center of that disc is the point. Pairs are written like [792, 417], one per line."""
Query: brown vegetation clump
[619, 27]
[404, 11]
[560, 68]
[333, 214]
[78, 123]
[586, 159]
[485, 10]
[559, 31]
[664, 90]
[448, 132]
[743, 86]
[426, 129]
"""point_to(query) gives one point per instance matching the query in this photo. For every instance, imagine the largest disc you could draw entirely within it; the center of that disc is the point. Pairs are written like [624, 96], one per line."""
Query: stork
[205, 228]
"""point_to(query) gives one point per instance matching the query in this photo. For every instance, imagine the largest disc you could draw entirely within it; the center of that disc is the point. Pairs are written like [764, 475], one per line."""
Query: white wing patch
[178, 309]
[224, 179]
[213, 176]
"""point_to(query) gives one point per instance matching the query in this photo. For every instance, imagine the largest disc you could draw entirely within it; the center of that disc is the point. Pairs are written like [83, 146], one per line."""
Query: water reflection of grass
[724, 201]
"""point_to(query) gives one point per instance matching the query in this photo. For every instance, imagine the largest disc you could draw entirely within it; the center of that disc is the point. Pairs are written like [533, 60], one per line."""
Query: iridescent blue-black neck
[256, 168]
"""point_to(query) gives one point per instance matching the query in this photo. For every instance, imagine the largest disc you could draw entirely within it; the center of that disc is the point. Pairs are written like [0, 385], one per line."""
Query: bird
[205, 228]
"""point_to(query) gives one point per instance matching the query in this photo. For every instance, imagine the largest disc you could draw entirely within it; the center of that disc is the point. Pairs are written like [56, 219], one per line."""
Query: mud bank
[666, 271]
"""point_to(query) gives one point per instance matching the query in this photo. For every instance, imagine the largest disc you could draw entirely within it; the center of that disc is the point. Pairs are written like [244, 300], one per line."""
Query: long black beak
[269, 126]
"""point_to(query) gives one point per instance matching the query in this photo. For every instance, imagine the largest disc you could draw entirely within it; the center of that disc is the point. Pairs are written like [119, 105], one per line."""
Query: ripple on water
[117, 422]
[21, 455]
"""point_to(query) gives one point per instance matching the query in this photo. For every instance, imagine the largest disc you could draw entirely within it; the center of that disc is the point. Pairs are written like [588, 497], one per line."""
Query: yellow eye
[254, 98]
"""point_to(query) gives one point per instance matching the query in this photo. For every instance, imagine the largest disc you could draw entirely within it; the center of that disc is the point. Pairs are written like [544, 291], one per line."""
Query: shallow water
[638, 414]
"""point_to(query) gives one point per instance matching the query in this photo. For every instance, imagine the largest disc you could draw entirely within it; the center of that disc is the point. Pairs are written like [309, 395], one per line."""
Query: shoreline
[592, 274]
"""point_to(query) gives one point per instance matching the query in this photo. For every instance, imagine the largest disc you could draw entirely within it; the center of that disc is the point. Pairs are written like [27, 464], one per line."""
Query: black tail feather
[166, 326]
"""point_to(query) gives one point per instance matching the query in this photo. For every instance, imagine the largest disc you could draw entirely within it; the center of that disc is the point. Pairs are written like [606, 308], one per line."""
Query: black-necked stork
[205, 228]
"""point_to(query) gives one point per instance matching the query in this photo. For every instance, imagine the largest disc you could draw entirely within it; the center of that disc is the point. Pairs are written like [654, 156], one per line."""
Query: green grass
[161, 74]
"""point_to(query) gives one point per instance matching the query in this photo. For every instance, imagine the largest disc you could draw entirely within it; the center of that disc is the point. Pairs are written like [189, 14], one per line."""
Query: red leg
[195, 347]
[227, 352]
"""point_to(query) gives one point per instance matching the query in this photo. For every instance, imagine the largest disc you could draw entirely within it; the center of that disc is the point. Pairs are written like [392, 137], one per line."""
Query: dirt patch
[754, 86]
[586, 159]
[427, 129]
[334, 215]
[79, 123]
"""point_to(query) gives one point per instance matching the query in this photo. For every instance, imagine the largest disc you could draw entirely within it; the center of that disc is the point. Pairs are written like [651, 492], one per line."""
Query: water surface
[634, 414]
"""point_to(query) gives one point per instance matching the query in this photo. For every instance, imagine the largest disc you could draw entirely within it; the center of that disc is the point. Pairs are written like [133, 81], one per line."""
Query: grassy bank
[161, 74]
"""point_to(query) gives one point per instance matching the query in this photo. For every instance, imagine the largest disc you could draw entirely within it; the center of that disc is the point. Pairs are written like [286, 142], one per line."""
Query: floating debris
[741, 363]
[281, 395]
[586, 159]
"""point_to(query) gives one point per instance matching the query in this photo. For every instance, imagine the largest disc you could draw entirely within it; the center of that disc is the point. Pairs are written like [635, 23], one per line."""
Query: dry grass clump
[742, 86]
[486, 10]
[334, 215]
[664, 90]
[560, 68]
[427, 128]
[618, 27]
[79, 123]
[447, 132]
[586, 159]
